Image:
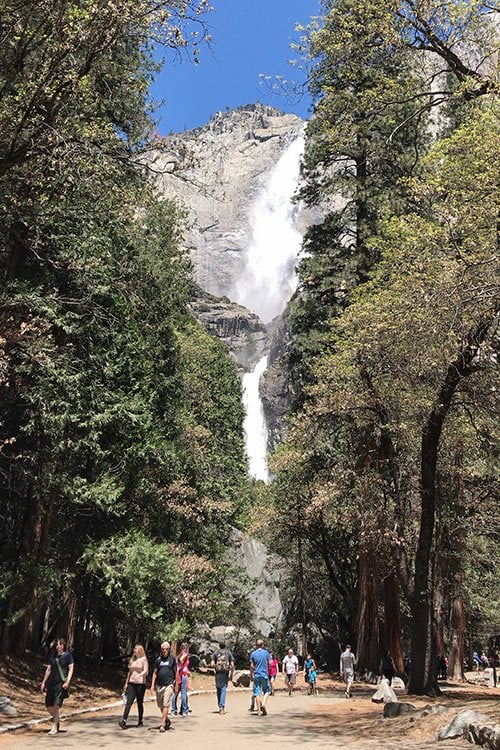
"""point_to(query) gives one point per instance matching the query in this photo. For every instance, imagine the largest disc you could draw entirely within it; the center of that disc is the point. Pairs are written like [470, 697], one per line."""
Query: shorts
[348, 676]
[164, 695]
[260, 685]
[290, 679]
[55, 694]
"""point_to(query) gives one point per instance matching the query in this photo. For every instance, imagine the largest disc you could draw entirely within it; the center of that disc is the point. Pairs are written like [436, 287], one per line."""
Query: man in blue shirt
[259, 673]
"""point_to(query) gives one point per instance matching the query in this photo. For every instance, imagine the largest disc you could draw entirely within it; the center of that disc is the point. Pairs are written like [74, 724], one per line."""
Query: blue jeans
[184, 697]
[221, 696]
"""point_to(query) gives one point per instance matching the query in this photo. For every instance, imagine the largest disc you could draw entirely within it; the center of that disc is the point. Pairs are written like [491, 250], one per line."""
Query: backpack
[223, 663]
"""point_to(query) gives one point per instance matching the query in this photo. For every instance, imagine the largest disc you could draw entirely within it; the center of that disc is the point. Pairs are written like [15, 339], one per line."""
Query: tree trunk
[440, 577]
[422, 674]
[457, 640]
[393, 620]
[368, 654]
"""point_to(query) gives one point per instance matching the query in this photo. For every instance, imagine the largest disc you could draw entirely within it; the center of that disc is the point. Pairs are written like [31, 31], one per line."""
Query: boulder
[385, 693]
[241, 678]
[486, 734]
[397, 683]
[455, 727]
[6, 706]
[392, 710]
[437, 709]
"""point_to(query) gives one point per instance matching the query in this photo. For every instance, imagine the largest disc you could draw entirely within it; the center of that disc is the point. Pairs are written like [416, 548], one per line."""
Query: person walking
[135, 685]
[311, 676]
[223, 663]
[274, 668]
[163, 682]
[183, 674]
[56, 680]
[290, 669]
[387, 666]
[259, 673]
[347, 664]
[308, 665]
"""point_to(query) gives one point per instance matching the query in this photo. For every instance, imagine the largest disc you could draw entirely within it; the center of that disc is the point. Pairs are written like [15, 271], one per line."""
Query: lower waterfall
[254, 424]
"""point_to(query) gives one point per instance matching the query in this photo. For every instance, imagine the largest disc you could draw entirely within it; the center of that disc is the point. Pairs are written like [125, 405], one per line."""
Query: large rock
[486, 734]
[455, 727]
[7, 708]
[241, 330]
[241, 678]
[392, 710]
[384, 693]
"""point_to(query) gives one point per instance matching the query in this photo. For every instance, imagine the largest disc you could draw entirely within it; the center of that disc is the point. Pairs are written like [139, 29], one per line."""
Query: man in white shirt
[290, 669]
[347, 663]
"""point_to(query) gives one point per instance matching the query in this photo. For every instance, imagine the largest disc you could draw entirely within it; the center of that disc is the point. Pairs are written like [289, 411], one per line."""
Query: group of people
[171, 675]
[170, 679]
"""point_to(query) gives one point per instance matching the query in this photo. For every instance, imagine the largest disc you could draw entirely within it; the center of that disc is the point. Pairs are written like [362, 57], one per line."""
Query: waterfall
[268, 278]
[268, 281]
[254, 424]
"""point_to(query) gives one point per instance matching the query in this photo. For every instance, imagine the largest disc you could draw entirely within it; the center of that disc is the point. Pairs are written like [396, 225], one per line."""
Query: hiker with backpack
[223, 663]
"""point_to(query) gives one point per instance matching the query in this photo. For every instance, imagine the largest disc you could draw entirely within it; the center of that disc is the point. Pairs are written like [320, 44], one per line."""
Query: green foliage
[396, 296]
[121, 456]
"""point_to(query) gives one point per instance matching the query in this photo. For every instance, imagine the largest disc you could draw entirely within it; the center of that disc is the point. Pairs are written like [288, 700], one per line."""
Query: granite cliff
[215, 172]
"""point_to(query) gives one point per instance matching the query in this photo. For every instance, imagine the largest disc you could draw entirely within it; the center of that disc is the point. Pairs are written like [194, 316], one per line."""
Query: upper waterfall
[268, 279]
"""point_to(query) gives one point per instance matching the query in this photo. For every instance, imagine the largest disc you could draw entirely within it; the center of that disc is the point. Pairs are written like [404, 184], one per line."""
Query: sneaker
[122, 724]
[140, 723]
[168, 724]
[263, 711]
[53, 730]
[162, 728]
[346, 694]
[174, 713]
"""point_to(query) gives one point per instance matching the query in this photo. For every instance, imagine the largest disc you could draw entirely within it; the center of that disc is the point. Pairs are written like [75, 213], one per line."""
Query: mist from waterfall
[268, 281]
[254, 424]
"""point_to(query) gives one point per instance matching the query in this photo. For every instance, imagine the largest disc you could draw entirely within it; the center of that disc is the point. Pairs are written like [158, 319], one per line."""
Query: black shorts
[55, 695]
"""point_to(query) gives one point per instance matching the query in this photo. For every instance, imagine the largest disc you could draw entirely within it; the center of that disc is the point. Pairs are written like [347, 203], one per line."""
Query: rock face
[243, 332]
[263, 589]
[215, 172]
[275, 385]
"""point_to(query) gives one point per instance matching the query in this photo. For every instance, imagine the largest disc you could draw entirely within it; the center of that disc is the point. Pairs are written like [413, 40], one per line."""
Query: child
[312, 681]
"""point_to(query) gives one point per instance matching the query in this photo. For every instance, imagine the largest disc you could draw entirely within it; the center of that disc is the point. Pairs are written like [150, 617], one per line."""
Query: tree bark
[368, 654]
[457, 640]
[439, 596]
[393, 620]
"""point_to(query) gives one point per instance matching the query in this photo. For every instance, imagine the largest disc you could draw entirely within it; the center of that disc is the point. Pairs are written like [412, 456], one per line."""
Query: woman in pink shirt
[274, 668]
[182, 677]
[135, 685]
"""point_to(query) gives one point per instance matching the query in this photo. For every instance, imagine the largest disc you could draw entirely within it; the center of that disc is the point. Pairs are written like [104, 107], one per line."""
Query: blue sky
[250, 37]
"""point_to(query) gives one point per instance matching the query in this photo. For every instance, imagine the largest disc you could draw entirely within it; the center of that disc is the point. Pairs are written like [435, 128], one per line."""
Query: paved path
[284, 727]
[204, 729]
